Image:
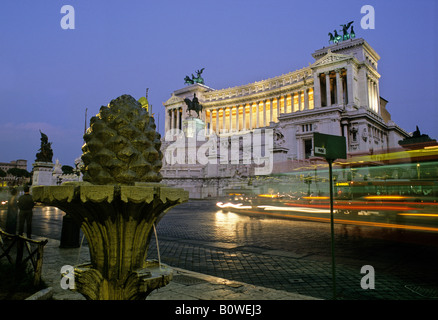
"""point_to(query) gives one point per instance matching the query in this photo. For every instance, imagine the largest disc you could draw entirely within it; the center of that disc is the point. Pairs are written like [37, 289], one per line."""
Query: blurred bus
[391, 190]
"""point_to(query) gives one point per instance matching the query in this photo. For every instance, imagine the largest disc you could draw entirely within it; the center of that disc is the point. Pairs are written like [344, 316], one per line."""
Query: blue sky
[49, 76]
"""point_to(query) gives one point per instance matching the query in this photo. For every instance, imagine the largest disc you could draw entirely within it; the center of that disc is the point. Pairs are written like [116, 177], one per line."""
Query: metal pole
[332, 228]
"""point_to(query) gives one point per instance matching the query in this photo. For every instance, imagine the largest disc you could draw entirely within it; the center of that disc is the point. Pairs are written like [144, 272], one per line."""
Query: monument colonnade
[242, 108]
[256, 113]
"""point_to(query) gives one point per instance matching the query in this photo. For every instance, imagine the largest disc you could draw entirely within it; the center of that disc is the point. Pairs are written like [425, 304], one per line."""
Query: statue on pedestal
[193, 104]
[45, 153]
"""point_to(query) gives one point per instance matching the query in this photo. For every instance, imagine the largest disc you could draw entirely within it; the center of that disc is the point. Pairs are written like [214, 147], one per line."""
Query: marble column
[300, 106]
[244, 117]
[279, 106]
[285, 104]
[370, 96]
[173, 118]
[316, 91]
[378, 98]
[211, 122]
[264, 113]
[222, 120]
[257, 115]
[350, 93]
[271, 110]
[230, 122]
[306, 98]
[237, 118]
[374, 96]
[327, 89]
[177, 118]
[250, 116]
[292, 102]
[340, 94]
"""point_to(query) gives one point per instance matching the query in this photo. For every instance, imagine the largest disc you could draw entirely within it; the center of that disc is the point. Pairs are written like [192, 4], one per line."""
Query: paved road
[286, 254]
[295, 255]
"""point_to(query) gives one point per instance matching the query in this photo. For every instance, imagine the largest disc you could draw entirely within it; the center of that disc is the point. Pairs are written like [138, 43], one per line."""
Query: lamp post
[331, 148]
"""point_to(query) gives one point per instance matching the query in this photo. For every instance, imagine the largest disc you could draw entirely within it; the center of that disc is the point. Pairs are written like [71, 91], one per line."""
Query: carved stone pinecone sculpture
[122, 145]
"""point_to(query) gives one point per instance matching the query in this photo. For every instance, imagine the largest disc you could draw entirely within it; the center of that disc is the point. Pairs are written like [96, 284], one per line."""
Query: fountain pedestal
[117, 221]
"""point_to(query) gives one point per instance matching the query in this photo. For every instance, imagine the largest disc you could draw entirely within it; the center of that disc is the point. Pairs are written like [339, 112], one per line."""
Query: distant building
[5, 166]
[338, 94]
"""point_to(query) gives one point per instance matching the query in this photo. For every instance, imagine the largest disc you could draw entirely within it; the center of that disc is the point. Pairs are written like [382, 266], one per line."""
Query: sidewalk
[186, 285]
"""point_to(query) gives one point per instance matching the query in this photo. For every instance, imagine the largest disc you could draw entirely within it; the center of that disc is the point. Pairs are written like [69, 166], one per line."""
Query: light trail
[349, 222]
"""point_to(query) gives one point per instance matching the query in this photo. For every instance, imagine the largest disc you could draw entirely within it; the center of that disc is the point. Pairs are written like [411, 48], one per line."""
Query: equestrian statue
[193, 104]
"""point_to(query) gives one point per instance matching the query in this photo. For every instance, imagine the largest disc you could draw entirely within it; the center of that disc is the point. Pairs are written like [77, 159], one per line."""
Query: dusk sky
[49, 75]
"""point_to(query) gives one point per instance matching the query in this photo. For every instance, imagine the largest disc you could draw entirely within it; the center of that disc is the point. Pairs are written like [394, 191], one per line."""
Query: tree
[2, 173]
[67, 170]
[17, 172]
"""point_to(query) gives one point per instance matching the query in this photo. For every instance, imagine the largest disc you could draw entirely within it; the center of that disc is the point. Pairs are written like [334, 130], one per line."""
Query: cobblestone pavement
[288, 271]
[295, 256]
[291, 256]
[186, 285]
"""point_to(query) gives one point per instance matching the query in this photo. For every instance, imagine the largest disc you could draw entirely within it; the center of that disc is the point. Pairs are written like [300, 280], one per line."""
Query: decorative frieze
[264, 86]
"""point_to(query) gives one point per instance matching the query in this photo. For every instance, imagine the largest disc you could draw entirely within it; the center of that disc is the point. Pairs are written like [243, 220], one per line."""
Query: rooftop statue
[345, 27]
[417, 139]
[335, 37]
[197, 79]
[45, 153]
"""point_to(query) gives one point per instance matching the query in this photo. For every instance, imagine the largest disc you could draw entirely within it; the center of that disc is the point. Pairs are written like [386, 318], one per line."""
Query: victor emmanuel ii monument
[337, 94]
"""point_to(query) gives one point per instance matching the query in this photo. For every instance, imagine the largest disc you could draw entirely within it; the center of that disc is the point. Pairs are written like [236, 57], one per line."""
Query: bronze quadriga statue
[118, 203]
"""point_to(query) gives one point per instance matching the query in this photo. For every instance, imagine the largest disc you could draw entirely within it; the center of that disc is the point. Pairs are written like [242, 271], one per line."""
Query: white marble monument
[337, 94]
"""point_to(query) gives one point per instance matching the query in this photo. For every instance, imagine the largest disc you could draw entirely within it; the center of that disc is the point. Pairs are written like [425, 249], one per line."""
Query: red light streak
[350, 222]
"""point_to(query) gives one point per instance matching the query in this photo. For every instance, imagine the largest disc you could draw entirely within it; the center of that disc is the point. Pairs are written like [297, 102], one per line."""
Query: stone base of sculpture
[191, 126]
[140, 283]
[42, 174]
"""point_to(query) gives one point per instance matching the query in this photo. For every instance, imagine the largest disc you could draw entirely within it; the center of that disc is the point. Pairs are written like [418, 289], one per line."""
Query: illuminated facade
[10, 179]
[338, 94]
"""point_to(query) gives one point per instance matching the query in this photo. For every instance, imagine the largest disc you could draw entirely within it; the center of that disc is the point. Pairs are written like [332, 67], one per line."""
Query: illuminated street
[287, 254]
